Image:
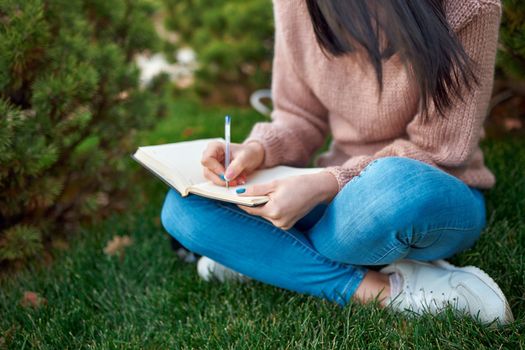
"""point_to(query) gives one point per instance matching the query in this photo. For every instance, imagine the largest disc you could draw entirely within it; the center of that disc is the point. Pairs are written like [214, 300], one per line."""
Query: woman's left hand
[292, 198]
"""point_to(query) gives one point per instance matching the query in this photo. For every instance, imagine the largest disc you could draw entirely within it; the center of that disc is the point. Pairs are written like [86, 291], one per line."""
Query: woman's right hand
[245, 158]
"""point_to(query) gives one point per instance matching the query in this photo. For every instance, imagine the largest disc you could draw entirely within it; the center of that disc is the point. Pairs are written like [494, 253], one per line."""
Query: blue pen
[227, 122]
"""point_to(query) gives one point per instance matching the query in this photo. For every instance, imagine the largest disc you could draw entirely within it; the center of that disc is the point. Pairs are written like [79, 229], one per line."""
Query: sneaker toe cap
[481, 298]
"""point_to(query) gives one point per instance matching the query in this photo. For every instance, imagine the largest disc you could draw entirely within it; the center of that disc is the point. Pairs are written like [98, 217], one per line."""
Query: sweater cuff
[270, 140]
[342, 175]
[352, 168]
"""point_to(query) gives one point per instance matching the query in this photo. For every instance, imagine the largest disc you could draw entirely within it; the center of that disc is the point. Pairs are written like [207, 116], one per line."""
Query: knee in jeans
[168, 214]
[392, 168]
[177, 223]
[329, 248]
[345, 247]
[368, 231]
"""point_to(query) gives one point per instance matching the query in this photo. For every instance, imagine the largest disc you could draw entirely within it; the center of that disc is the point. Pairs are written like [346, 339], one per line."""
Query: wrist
[257, 150]
[327, 186]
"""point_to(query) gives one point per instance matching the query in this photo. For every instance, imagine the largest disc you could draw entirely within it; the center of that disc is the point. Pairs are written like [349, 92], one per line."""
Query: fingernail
[228, 174]
[222, 177]
[240, 190]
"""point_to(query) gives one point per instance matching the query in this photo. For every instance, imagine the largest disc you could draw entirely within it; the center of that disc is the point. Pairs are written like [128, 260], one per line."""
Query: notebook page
[181, 158]
[259, 177]
[279, 172]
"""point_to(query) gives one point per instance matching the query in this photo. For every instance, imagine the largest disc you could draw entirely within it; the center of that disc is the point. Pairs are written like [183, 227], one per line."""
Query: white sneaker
[209, 270]
[186, 256]
[431, 287]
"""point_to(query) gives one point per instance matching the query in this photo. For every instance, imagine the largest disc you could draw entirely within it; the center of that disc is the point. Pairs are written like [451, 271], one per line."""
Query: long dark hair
[417, 30]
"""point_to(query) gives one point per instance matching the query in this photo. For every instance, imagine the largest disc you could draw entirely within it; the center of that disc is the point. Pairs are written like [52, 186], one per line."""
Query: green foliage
[20, 241]
[233, 41]
[69, 102]
[511, 57]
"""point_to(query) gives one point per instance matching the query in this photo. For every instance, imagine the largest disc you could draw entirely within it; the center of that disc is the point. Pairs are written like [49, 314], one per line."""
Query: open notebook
[179, 166]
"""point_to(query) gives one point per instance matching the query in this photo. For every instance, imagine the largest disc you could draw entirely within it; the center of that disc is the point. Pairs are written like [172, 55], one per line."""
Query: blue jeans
[396, 208]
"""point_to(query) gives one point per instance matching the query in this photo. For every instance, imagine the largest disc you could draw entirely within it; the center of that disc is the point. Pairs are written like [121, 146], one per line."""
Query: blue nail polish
[240, 190]
[222, 177]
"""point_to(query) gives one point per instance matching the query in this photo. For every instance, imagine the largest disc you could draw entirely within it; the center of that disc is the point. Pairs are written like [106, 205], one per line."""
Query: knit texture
[315, 95]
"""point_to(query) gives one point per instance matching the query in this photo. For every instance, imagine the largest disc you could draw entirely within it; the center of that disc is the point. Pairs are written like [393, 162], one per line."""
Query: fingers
[239, 164]
[213, 156]
[269, 213]
[217, 179]
[214, 149]
[239, 181]
[213, 163]
[259, 189]
[208, 174]
[236, 167]
[265, 210]
[253, 210]
[214, 166]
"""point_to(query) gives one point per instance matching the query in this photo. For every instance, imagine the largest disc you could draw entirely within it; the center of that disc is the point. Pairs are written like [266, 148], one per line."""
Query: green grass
[151, 300]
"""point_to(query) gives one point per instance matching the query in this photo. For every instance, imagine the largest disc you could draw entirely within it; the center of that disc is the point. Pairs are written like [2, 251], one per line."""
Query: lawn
[149, 299]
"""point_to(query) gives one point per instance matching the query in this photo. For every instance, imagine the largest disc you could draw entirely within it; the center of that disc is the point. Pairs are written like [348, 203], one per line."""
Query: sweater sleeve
[450, 141]
[299, 120]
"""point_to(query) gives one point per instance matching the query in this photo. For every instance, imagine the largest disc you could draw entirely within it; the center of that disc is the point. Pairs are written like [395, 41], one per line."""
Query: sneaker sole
[482, 275]
[210, 270]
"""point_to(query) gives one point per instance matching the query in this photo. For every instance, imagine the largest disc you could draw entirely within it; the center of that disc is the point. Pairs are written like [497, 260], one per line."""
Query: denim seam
[382, 257]
[451, 228]
[359, 271]
[430, 231]
[294, 240]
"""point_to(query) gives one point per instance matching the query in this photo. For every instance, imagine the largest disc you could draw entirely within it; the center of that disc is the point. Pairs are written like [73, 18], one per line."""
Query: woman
[402, 87]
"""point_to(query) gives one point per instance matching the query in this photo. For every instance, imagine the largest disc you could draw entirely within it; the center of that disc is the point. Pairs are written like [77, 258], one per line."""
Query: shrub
[233, 41]
[69, 102]
[511, 57]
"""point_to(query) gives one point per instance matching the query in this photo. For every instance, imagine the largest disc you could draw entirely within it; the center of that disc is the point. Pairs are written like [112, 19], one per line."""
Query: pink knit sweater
[315, 95]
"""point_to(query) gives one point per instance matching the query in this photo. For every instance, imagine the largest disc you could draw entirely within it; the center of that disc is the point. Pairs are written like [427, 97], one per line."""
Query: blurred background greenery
[233, 41]
[75, 97]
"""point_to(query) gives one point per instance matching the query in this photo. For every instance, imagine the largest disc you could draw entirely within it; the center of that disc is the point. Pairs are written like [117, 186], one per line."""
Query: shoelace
[429, 301]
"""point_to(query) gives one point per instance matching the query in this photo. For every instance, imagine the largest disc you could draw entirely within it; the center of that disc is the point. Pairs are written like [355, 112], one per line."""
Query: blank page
[278, 172]
[181, 158]
[259, 177]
